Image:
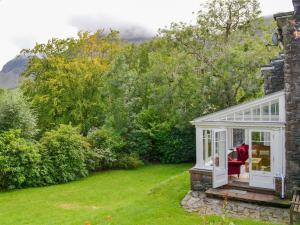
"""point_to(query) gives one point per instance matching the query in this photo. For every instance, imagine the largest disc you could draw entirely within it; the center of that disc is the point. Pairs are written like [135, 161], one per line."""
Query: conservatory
[244, 143]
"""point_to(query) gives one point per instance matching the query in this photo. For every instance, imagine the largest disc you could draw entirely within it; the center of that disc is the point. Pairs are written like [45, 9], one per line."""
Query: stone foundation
[201, 180]
[198, 202]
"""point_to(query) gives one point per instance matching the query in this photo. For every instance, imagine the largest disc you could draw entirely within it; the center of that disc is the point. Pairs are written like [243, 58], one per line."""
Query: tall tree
[65, 79]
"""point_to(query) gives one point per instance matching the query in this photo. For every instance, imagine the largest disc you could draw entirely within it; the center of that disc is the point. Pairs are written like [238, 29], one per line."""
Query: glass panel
[238, 137]
[256, 113]
[247, 115]
[265, 113]
[207, 148]
[261, 151]
[275, 111]
[230, 117]
[220, 153]
[239, 116]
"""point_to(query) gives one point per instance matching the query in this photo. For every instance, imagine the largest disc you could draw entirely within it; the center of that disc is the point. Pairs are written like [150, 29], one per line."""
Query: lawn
[149, 195]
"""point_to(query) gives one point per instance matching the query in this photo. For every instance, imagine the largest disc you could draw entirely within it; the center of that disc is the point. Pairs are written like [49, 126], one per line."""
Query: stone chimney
[291, 44]
[273, 75]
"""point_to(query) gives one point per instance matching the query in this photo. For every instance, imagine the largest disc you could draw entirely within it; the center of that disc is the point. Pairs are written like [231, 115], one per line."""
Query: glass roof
[267, 109]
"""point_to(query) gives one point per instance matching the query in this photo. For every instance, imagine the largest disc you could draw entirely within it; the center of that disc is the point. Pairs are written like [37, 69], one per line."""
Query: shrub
[16, 113]
[99, 159]
[19, 161]
[179, 146]
[64, 154]
[106, 138]
[126, 161]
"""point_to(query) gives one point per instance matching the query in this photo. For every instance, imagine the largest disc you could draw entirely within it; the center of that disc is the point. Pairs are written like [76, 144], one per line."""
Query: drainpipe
[282, 186]
[283, 165]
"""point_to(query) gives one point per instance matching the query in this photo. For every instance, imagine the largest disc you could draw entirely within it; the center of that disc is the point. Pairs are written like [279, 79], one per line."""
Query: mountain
[11, 72]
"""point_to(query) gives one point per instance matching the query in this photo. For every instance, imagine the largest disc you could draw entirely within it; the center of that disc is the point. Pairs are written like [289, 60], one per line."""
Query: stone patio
[198, 202]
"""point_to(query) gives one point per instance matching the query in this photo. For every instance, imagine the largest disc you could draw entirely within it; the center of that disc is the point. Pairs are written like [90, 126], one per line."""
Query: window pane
[239, 116]
[220, 144]
[207, 147]
[230, 117]
[238, 137]
[265, 112]
[261, 151]
[247, 115]
[275, 111]
[256, 113]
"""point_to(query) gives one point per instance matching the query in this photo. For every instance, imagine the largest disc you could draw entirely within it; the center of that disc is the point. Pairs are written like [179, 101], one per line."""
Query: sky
[26, 22]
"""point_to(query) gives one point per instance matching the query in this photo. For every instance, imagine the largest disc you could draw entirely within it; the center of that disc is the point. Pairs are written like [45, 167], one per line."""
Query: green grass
[149, 195]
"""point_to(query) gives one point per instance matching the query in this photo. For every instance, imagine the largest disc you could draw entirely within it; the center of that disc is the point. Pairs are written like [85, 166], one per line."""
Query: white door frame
[262, 179]
[220, 175]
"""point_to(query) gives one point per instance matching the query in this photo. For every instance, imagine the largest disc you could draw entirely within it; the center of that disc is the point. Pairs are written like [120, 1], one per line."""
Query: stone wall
[274, 75]
[201, 180]
[292, 104]
[198, 202]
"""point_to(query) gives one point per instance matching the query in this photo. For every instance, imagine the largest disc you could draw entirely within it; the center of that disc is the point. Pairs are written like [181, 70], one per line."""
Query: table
[256, 164]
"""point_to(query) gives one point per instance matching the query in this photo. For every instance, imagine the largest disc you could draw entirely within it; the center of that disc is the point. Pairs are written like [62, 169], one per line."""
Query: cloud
[128, 31]
[24, 41]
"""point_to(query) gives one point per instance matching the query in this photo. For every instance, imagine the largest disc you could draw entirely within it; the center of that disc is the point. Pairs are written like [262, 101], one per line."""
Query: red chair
[234, 166]
[242, 153]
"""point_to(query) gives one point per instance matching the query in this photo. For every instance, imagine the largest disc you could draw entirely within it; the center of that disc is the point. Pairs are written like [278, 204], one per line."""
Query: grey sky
[25, 22]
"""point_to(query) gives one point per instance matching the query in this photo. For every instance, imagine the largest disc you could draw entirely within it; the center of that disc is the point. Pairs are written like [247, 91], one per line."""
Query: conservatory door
[261, 157]
[220, 176]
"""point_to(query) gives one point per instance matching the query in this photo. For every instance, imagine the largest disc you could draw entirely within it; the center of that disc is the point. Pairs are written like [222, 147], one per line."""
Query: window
[256, 113]
[207, 148]
[239, 116]
[265, 112]
[238, 137]
[261, 151]
[247, 115]
[220, 149]
[275, 111]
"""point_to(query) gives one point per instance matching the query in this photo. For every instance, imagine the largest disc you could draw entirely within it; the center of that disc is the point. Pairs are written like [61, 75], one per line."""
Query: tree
[227, 16]
[228, 44]
[16, 113]
[66, 79]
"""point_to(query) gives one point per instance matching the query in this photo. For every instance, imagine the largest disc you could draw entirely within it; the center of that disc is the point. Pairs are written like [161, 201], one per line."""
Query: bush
[99, 159]
[179, 146]
[125, 161]
[106, 138]
[19, 161]
[64, 154]
[16, 113]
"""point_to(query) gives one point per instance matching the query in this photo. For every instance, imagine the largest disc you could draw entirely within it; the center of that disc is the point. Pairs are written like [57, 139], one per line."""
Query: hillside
[11, 71]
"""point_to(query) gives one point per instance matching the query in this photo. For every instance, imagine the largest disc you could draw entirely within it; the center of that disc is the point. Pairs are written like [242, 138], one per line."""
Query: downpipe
[282, 186]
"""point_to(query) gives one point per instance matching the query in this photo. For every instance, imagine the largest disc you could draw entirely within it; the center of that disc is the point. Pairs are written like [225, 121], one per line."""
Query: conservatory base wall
[201, 179]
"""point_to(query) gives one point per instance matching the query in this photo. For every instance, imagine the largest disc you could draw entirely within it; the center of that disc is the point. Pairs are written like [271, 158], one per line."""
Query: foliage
[100, 159]
[16, 113]
[105, 138]
[68, 78]
[19, 161]
[143, 97]
[125, 161]
[226, 17]
[64, 153]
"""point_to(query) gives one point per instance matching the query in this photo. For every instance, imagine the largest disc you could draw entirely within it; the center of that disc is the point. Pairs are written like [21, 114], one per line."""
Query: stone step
[247, 196]
[243, 186]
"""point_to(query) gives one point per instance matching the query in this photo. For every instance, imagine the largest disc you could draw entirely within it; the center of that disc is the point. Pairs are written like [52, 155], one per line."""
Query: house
[256, 143]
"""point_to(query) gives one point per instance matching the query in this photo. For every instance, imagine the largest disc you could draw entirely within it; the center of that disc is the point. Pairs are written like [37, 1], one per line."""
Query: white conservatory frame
[264, 115]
